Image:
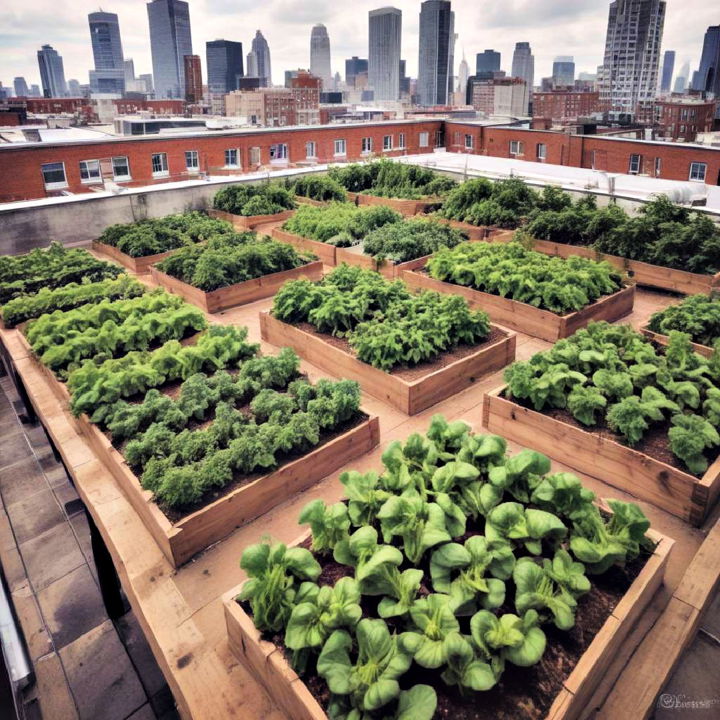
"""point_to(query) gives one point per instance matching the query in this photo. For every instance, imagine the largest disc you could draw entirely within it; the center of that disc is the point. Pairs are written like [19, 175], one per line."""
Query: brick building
[269, 107]
[502, 96]
[305, 88]
[565, 105]
[684, 118]
[36, 170]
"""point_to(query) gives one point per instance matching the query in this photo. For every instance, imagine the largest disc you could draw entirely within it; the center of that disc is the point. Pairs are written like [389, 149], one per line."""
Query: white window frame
[228, 158]
[694, 175]
[116, 176]
[366, 146]
[401, 141]
[424, 139]
[192, 161]
[635, 164]
[541, 152]
[339, 147]
[163, 163]
[469, 141]
[92, 177]
[255, 155]
[311, 150]
[516, 147]
[279, 152]
[387, 143]
[658, 167]
[58, 184]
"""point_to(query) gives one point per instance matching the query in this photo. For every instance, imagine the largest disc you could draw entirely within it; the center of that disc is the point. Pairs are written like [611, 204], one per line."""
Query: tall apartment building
[52, 72]
[384, 45]
[320, 55]
[193, 79]
[437, 40]
[258, 60]
[629, 72]
[224, 63]
[109, 73]
[170, 42]
[563, 72]
[487, 63]
[683, 118]
[707, 78]
[668, 68]
[523, 66]
[21, 87]
[354, 66]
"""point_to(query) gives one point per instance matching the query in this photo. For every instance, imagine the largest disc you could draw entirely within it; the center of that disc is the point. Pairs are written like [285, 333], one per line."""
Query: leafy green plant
[689, 437]
[510, 521]
[318, 187]
[410, 239]
[274, 572]
[697, 315]
[435, 623]
[329, 524]
[509, 637]
[246, 199]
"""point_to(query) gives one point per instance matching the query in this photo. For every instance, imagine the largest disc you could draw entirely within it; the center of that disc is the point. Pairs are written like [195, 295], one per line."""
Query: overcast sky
[553, 27]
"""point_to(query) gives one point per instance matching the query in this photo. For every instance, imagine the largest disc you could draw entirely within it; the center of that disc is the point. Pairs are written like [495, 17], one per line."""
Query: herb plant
[246, 199]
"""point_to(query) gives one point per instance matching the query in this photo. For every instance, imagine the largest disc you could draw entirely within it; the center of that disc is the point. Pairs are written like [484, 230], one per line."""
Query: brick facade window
[541, 152]
[367, 145]
[516, 147]
[635, 164]
[90, 171]
[231, 158]
[469, 142]
[424, 139]
[192, 162]
[401, 141]
[121, 168]
[340, 148]
[310, 149]
[54, 175]
[279, 151]
[255, 156]
[698, 171]
[159, 164]
[387, 142]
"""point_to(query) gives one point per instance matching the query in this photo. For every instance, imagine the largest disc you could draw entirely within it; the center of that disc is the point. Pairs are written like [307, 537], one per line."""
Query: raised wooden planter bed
[239, 293]
[324, 251]
[642, 273]
[410, 397]
[666, 487]
[520, 316]
[476, 232]
[309, 201]
[388, 268]
[267, 664]
[139, 265]
[249, 222]
[405, 207]
[703, 350]
[195, 532]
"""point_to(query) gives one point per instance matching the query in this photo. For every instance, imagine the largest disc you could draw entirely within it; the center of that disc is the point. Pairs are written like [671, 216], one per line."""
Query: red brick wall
[560, 105]
[610, 154]
[20, 167]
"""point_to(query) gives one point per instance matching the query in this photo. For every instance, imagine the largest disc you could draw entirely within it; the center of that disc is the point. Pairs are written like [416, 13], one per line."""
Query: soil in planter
[654, 443]
[416, 372]
[522, 693]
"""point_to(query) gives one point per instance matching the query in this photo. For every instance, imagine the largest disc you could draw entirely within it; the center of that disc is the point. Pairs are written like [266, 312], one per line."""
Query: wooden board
[309, 201]
[239, 293]
[249, 222]
[474, 232]
[641, 273]
[324, 252]
[387, 268]
[703, 350]
[182, 540]
[666, 487]
[404, 207]
[521, 316]
[410, 397]
[266, 662]
[139, 265]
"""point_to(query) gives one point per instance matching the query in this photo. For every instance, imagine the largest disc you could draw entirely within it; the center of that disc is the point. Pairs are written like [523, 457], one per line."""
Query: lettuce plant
[365, 496]
[562, 494]
[510, 521]
[690, 436]
[509, 637]
[465, 669]
[519, 474]
[435, 622]
[370, 676]
[329, 524]
[274, 571]
[472, 574]
[584, 401]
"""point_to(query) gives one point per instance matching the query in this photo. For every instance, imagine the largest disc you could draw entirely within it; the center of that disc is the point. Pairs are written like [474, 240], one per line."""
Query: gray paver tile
[34, 515]
[51, 555]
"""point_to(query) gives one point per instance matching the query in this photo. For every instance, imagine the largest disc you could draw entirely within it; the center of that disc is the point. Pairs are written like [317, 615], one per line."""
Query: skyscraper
[629, 73]
[487, 63]
[52, 72]
[463, 75]
[74, 88]
[707, 78]
[35, 91]
[353, 67]
[385, 37]
[21, 87]
[668, 68]
[170, 42]
[260, 60]
[224, 62]
[563, 72]
[682, 79]
[109, 73]
[129, 66]
[437, 37]
[193, 79]
[320, 55]
[523, 66]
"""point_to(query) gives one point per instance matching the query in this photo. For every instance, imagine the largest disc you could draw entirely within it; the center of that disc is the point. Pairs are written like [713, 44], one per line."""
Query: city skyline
[287, 29]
